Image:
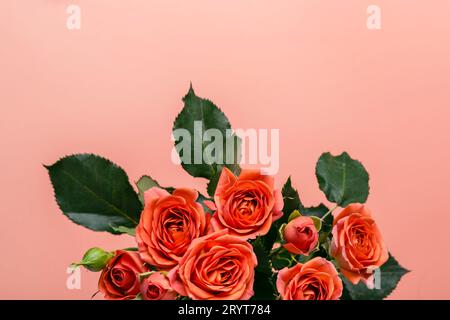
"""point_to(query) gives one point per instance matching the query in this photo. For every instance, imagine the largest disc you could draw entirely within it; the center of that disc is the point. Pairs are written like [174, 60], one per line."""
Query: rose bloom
[301, 235]
[357, 245]
[316, 279]
[246, 205]
[119, 279]
[157, 287]
[217, 266]
[168, 224]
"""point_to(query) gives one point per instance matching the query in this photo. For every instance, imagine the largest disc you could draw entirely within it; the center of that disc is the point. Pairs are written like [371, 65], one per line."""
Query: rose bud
[157, 287]
[95, 259]
[120, 278]
[301, 235]
[316, 279]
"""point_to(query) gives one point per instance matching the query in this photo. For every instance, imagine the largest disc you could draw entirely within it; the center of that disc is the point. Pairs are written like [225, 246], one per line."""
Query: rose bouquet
[245, 239]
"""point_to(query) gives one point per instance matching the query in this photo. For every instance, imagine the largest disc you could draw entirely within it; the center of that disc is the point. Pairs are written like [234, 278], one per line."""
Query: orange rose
[246, 205]
[168, 224]
[157, 287]
[120, 278]
[357, 245]
[316, 279]
[218, 266]
[301, 235]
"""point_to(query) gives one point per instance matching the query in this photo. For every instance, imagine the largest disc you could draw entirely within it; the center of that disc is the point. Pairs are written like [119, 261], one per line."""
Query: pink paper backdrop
[310, 68]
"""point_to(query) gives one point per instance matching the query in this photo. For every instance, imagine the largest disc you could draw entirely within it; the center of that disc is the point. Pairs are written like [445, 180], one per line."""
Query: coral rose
[217, 266]
[168, 224]
[246, 205]
[119, 280]
[357, 245]
[157, 287]
[301, 235]
[316, 279]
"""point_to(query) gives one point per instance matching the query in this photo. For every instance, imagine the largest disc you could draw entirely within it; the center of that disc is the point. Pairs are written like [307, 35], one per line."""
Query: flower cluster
[246, 239]
[185, 251]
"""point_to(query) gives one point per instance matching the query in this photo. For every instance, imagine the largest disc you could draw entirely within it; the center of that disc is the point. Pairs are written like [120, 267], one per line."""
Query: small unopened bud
[95, 259]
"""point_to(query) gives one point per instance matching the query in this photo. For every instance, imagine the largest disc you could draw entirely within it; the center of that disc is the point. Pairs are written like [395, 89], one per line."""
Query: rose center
[153, 291]
[122, 278]
[176, 226]
[360, 241]
[117, 275]
[305, 230]
[312, 291]
[247, 206]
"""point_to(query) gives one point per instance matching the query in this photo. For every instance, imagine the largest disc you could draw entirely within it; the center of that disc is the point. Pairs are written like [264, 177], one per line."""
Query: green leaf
[209, 116]
[293, 215]
[291, 201]
[282, 258]
[122, 229]
[143, 184]
[94, 192]
[318, 211]
[264, 287]
[342, 179]
[262, 254]
[212, 184]
[317, 222]
[281, 232]
[271, 237]
[391, 273]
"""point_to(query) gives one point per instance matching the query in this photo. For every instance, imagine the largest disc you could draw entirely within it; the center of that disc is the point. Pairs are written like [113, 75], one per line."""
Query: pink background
[310, 68]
